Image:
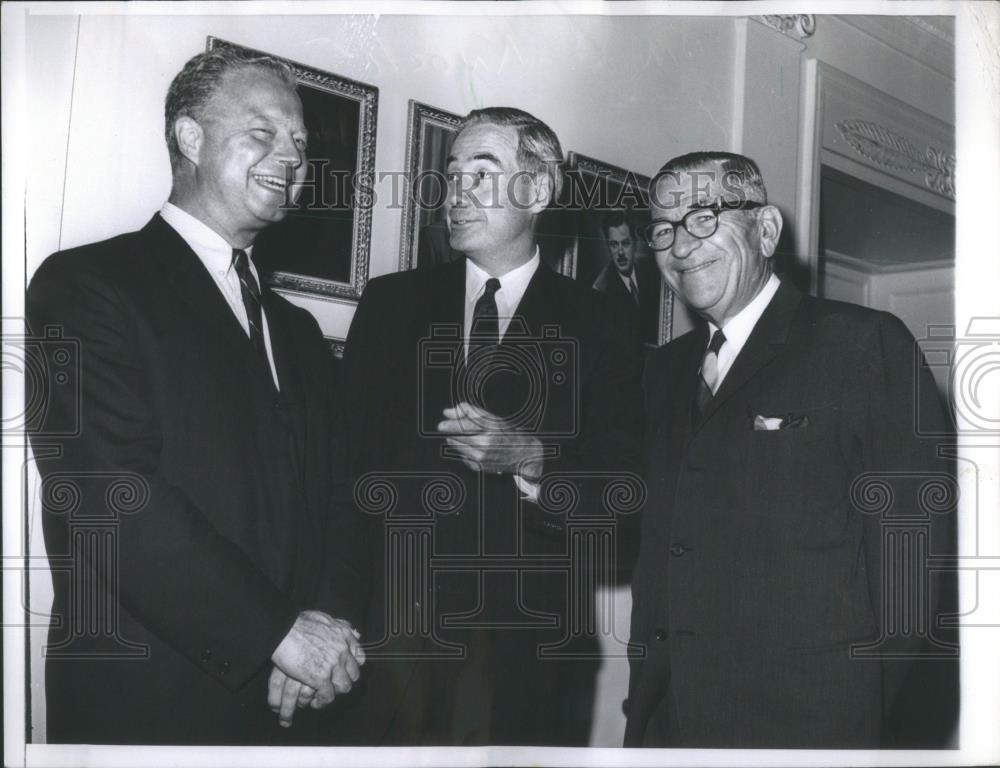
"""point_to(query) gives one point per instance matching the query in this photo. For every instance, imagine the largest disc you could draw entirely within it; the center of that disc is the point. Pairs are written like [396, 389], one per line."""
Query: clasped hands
[490, 443]
[319, 658]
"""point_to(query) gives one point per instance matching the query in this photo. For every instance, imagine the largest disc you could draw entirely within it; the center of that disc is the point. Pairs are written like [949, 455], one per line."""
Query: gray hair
[201, 77]
[740, 174]
[538, 148]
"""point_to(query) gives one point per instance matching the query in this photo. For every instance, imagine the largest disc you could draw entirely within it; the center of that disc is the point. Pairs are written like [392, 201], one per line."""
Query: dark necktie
[485, 320]
[484, 336]
[708, 375]
[251, 300]
[632, 290]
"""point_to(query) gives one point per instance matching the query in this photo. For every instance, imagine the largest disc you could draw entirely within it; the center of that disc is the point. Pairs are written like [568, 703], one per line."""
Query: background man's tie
[251, 299]
[708, 379]
[632, 290]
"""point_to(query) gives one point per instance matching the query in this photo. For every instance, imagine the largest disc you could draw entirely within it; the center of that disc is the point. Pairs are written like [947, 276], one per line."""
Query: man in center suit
[204, 547]
[633, 281]
[513, 385]
[767, 598]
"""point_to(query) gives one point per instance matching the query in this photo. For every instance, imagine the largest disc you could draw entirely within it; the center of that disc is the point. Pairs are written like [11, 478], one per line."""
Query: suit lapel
[195, 290]
[447, 295]
[535, 306]
[438, 321]
[282, 347]
[765, 341]
[675, 414]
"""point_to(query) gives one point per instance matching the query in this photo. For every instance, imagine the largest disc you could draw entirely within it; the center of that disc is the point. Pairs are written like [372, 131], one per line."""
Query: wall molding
[889, 149]
[797, 25]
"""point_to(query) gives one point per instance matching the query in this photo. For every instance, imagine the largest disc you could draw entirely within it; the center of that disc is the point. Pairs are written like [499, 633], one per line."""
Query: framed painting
[424, 238]
[611, 207]
[322, 246]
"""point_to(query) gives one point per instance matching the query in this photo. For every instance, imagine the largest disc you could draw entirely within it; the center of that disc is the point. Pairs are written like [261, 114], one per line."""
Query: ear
[769, 223]
[189, 137]
[543, 192]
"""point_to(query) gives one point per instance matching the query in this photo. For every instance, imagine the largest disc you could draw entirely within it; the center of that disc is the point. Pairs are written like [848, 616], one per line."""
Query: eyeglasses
[699, 223]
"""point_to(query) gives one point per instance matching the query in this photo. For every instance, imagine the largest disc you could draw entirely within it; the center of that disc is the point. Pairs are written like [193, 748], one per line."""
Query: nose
[457, 190]
[684, 243]
[287, 152]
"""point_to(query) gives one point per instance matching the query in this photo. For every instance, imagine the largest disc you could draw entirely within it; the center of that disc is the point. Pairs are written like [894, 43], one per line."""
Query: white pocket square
[766, 423]
[771, 423]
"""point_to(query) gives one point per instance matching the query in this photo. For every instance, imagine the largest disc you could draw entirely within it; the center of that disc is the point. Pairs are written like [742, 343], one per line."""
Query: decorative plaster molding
[933, 26]
[798, 25]
[890, 150]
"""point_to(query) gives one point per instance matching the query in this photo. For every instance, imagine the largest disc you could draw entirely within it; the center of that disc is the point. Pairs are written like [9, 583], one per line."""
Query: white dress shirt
[513, 284]
[217, 256]
[739, 328]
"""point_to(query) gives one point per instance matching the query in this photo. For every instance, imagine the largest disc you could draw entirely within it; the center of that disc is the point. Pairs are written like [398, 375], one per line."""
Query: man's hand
[318, 658]
[490, 444]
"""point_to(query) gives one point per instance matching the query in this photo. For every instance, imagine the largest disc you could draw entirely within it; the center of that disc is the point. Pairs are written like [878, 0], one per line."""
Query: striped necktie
[251, 300]
[708, 376]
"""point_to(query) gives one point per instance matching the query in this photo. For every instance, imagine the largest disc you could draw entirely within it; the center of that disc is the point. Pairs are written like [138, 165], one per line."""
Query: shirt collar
[739, 328]
[513, 284]
[211, 247]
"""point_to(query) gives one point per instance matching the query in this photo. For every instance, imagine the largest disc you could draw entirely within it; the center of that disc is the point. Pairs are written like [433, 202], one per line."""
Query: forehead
[485, 141]
[681, 190]
[621, 232]
[252, 91]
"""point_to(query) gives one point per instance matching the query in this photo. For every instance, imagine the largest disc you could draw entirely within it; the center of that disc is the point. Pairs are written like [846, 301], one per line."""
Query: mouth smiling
[272, 183]
[462, 221]
[698, 268]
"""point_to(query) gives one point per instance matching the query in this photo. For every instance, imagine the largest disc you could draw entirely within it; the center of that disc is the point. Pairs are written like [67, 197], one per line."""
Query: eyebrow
[478, 156]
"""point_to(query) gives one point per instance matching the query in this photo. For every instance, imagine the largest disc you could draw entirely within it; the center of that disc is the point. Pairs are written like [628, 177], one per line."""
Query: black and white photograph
[508, 383]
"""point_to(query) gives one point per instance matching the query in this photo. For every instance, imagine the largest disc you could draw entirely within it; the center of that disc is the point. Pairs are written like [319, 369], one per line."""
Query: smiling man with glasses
[764, 603]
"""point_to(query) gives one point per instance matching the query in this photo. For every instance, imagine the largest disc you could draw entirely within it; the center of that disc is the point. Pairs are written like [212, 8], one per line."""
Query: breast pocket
[797, 480]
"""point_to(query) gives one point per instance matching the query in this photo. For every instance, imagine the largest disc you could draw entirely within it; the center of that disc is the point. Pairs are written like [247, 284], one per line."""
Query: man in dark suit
[786, 484]
[205, 565]
[631, 280]
[489, 396]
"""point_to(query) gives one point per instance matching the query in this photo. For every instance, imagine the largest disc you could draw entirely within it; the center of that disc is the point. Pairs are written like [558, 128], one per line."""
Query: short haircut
[616, 218]
[201, 77]
[538, 147]
[740, 174]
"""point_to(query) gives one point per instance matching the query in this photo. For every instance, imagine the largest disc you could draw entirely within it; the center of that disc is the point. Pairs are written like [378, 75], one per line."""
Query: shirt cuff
[527, 488]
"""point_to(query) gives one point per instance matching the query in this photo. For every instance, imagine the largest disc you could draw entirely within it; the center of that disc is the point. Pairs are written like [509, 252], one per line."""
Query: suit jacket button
[677, 549]
[206, 655]
[660, 634]
[224, 667]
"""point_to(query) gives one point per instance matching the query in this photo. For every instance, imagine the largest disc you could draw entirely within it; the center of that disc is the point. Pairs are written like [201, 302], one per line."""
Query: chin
[461, 243]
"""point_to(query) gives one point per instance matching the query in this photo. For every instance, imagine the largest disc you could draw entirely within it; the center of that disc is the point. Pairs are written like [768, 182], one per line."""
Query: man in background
[634, 281]
[228, 592]
[499, 385]
[783, 596]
